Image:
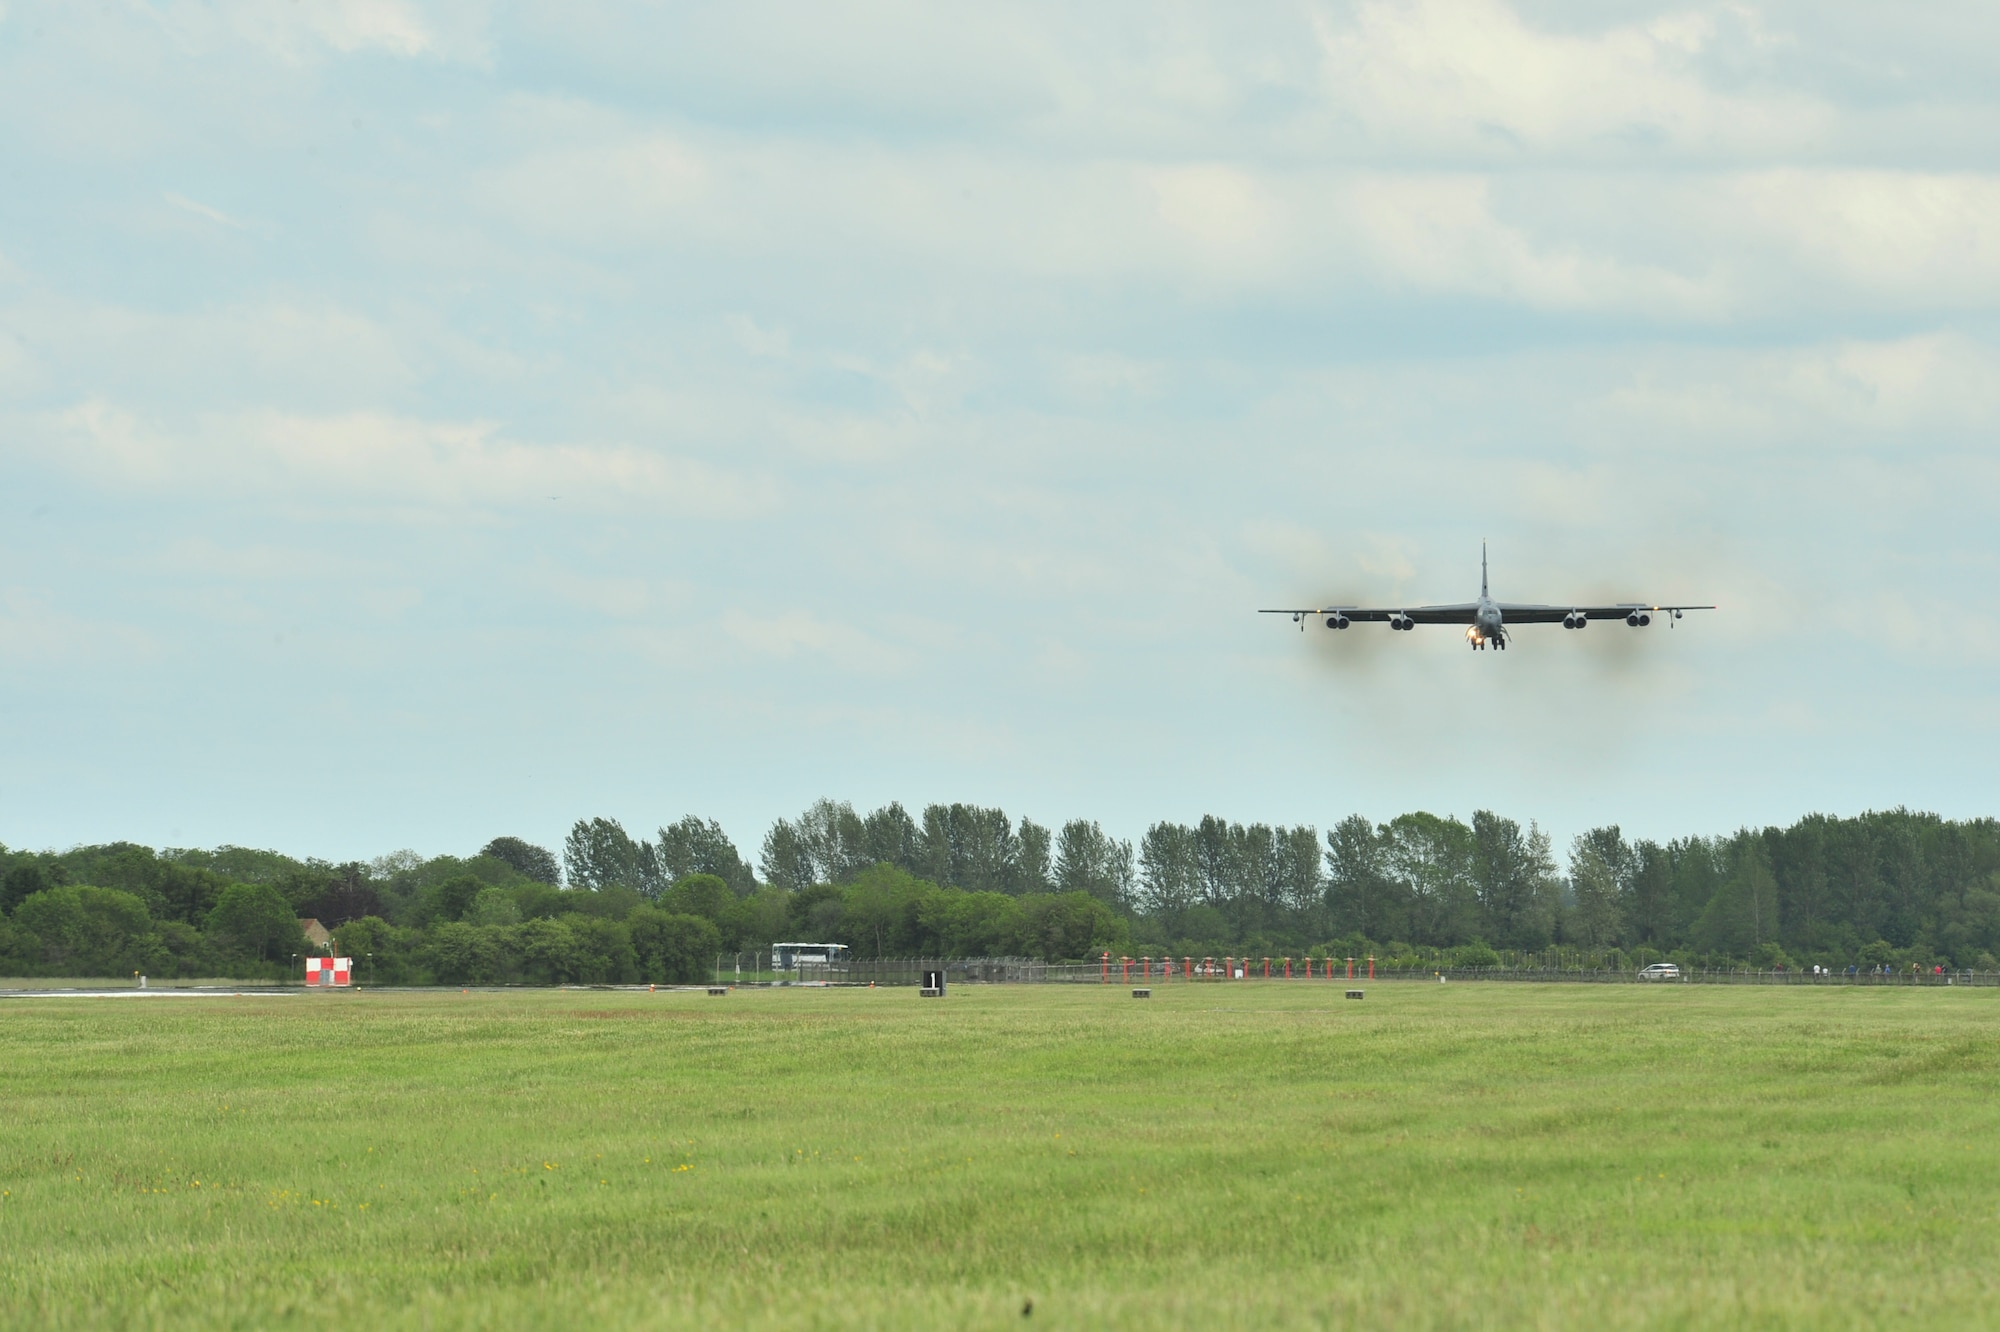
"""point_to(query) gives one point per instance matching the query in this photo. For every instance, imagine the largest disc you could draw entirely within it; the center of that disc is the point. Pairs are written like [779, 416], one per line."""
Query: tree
[20, 950]
[881, 916]
[1512, 873]
[1696, 869]
[540, 901]
[1031, 859]
[548, 952]
[304, 889]
[88, 931]
[493, 906]
[1432, 859]
[182, 892]
[1302, 888]
[671, 948]
[1651, 914]
[527, 859]
[1623, 864]
[252, 922]
[785, 861]
[890, 836]
[1169, 881]
[968, 847]
[1213, 860]
[236, 864]
[704, 895]
[380, 950]
[1743, 914]
[1595, 915]
[814, 912]
[1243, 872]
[21, 883]
[697, 846]
[451, 899]
[459, 953]
[831, 835]
[599, 854]
[1062, 926]
[1359, 892]
[348, 895]
[1089, 861]
[604, 953]
[955, 924]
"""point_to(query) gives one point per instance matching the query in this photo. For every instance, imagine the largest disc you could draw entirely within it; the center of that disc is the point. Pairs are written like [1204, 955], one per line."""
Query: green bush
[672, 948]
[539, 901]
[493, 906]
[78, 930]
[459, 954]
[698, 895]
[1065, 926]
[1475, 954]
[547, 952]
[253, 923]
[449, 899]
[604, 953]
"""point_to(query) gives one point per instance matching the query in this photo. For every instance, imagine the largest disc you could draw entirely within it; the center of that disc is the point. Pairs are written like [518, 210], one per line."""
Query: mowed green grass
[1237, 1155]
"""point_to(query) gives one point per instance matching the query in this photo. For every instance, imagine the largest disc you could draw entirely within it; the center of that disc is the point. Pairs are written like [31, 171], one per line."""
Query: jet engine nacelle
[1336, 621]
[1401, 621]
[1639, 619]
[1575, 620]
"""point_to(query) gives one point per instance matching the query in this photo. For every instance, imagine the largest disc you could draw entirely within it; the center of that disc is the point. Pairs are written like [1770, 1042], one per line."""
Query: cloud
[1940, 391]
[354, 25]
[35, 631]
[453, 30]
[391, 461]
[215, 215]
[1471, 77]
[619, 190]
[1898, 238]
[758, 340]
[1667, 246]
[784, 633]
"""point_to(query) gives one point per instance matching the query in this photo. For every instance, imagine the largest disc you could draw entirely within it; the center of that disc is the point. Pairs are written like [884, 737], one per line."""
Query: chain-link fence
[756, 969]
[1695, 976]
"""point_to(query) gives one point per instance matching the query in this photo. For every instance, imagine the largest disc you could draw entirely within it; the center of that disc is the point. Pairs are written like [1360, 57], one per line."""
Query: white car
[1660, 971]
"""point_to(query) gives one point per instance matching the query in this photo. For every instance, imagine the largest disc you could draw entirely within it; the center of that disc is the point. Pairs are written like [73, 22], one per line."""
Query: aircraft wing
[1460, 613]
[1515, 612]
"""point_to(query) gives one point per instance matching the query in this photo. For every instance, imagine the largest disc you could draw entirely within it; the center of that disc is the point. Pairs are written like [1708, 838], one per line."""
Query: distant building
[315, 932]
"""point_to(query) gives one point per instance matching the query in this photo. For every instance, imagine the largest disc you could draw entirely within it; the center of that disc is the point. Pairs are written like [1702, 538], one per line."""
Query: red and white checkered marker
[329, 970]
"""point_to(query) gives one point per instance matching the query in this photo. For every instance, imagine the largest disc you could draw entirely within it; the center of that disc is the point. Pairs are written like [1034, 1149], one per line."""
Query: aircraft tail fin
[1482, 567]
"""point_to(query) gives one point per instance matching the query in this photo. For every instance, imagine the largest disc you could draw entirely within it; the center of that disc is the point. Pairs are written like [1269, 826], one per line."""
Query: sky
[422, 423]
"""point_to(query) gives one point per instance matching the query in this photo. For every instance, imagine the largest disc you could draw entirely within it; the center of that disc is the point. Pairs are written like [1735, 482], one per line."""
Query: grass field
[1224, 1155]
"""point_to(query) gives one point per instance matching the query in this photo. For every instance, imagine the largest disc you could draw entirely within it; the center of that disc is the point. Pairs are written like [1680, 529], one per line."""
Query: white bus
[816, 957]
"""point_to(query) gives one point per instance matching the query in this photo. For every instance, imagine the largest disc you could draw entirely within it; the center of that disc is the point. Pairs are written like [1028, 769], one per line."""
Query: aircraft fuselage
[1487, 625]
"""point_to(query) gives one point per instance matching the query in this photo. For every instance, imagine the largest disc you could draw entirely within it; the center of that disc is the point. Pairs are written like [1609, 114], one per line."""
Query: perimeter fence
[1699, 976]
[755, 969]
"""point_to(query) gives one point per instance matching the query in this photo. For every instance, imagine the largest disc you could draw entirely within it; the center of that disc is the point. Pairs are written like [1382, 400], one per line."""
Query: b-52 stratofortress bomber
[1486, 620]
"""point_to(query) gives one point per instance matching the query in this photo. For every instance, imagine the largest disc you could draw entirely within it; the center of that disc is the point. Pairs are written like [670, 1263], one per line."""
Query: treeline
[612, 910]
[960, 880]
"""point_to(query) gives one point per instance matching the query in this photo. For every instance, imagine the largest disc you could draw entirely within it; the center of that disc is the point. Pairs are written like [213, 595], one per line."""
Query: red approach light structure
[329, 971]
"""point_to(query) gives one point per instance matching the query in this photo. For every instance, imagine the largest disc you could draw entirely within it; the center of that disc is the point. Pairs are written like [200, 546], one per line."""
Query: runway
[184, 993]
